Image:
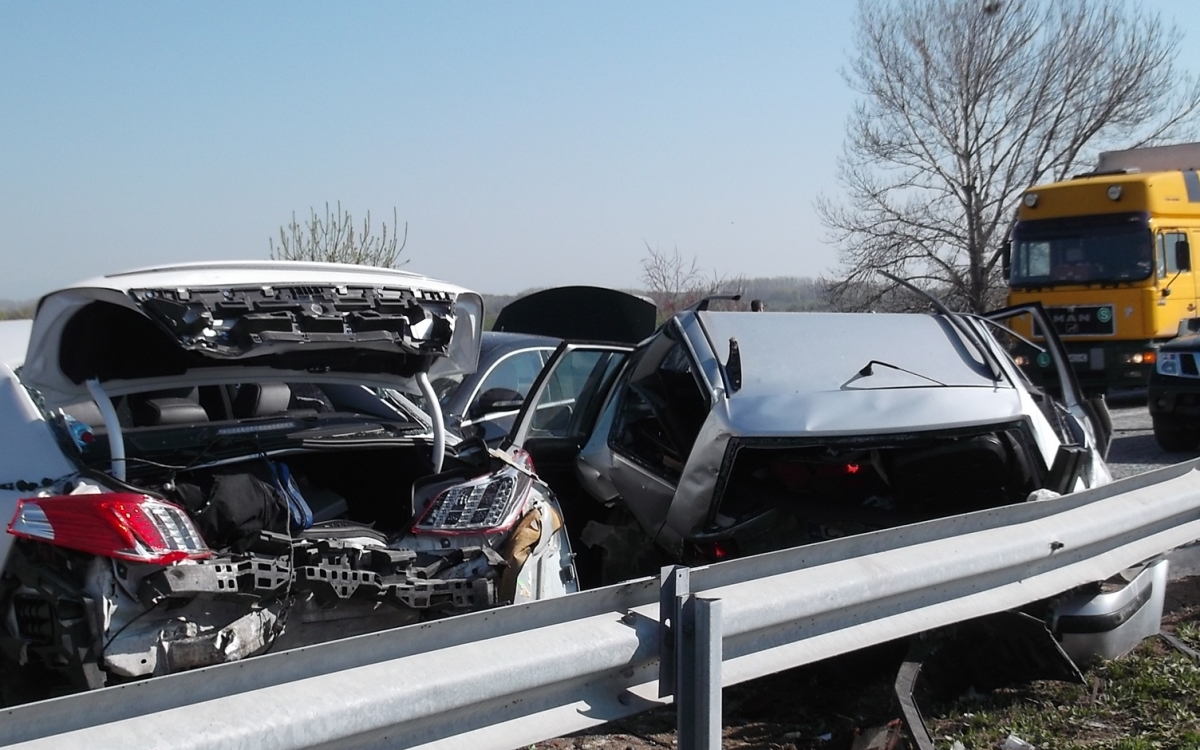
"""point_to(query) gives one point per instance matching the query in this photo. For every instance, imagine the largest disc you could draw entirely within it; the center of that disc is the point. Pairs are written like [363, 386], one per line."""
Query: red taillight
[725, 549]
[721, 551]
[126, 526]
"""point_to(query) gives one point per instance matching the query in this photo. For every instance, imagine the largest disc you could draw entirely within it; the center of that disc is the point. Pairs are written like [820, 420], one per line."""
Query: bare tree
[334, 240]
[964, 104]
[674, 282]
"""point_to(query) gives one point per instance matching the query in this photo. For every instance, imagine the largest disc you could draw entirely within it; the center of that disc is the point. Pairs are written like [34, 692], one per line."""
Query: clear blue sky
[526, 144]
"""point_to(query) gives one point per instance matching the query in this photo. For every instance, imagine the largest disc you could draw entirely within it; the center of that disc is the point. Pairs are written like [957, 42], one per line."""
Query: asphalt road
[1133, 448]
[1134, 451]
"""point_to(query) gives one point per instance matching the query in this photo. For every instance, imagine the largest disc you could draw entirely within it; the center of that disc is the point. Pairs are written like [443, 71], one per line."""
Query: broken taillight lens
[486, 504]
[125, 526]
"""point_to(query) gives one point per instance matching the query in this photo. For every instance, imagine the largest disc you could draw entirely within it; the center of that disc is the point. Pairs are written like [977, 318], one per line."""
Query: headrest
[261, 399]
[160, 411]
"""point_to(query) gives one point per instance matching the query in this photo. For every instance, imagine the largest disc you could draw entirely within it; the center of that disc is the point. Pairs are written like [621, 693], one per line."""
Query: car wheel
[1176, 439]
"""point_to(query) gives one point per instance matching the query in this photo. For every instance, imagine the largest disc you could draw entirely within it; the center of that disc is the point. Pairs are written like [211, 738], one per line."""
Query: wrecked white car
[206, 461]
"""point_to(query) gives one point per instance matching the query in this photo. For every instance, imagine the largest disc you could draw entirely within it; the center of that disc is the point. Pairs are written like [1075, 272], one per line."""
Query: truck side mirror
[1006, 259]
[1183, 255]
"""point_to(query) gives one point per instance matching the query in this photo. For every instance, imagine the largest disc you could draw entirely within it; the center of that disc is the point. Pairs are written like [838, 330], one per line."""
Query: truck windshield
[1084, 256]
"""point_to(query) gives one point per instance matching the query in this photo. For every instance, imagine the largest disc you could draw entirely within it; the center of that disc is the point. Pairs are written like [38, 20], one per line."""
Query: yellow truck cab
[1110, 256]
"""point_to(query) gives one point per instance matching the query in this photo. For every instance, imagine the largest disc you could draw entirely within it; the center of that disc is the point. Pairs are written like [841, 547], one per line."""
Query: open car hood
[581, 313]
[236, 321]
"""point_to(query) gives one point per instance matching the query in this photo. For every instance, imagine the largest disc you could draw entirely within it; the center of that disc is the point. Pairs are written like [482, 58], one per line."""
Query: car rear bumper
[1111, 623]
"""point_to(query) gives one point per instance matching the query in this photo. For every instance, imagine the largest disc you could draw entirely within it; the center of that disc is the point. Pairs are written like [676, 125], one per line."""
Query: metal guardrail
[511, 676]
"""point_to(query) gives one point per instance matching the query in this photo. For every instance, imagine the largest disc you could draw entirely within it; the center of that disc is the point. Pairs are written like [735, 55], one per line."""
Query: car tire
[1175, 439]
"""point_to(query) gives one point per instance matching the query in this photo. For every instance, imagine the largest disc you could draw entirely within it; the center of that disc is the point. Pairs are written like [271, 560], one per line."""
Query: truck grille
[1083, 320]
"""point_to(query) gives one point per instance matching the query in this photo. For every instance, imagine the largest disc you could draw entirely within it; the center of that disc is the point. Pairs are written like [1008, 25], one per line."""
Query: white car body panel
[14, 340]
[29, 449]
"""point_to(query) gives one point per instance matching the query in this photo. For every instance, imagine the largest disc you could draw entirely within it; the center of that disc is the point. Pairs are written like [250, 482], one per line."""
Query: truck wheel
[1176, 439]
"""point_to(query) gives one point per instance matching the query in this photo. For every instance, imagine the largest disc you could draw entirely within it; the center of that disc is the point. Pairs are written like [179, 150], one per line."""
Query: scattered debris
[886, 737]
[1016, 743]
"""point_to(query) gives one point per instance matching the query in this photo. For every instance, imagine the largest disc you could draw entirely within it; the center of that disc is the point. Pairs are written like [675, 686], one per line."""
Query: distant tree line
[777, 293]
[786, 293]
[676, 282]
[17, 310]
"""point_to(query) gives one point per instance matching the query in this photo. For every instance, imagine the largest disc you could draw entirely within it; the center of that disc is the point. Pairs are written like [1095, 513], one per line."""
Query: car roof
[831, 351]
[849, 373]
[1183, 343]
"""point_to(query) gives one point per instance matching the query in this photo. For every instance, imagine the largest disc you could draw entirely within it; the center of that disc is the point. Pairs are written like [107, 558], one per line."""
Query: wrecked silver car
[206, 461]
[731, 433]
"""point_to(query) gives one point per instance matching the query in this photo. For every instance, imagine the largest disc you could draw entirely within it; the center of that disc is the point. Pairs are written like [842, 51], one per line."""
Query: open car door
[1090, 416]
[556, 420]
[562, 406]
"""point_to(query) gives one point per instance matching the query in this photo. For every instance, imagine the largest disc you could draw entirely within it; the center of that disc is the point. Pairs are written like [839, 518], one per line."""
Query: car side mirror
[495, 400]
[1183, 255]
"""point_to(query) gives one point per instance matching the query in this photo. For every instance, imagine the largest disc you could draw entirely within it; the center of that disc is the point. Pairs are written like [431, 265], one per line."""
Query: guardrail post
[698, 656]
[673, 583]
[690, 655]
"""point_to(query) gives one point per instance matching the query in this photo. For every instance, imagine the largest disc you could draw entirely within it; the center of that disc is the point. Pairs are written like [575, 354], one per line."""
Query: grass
[1147, 700]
